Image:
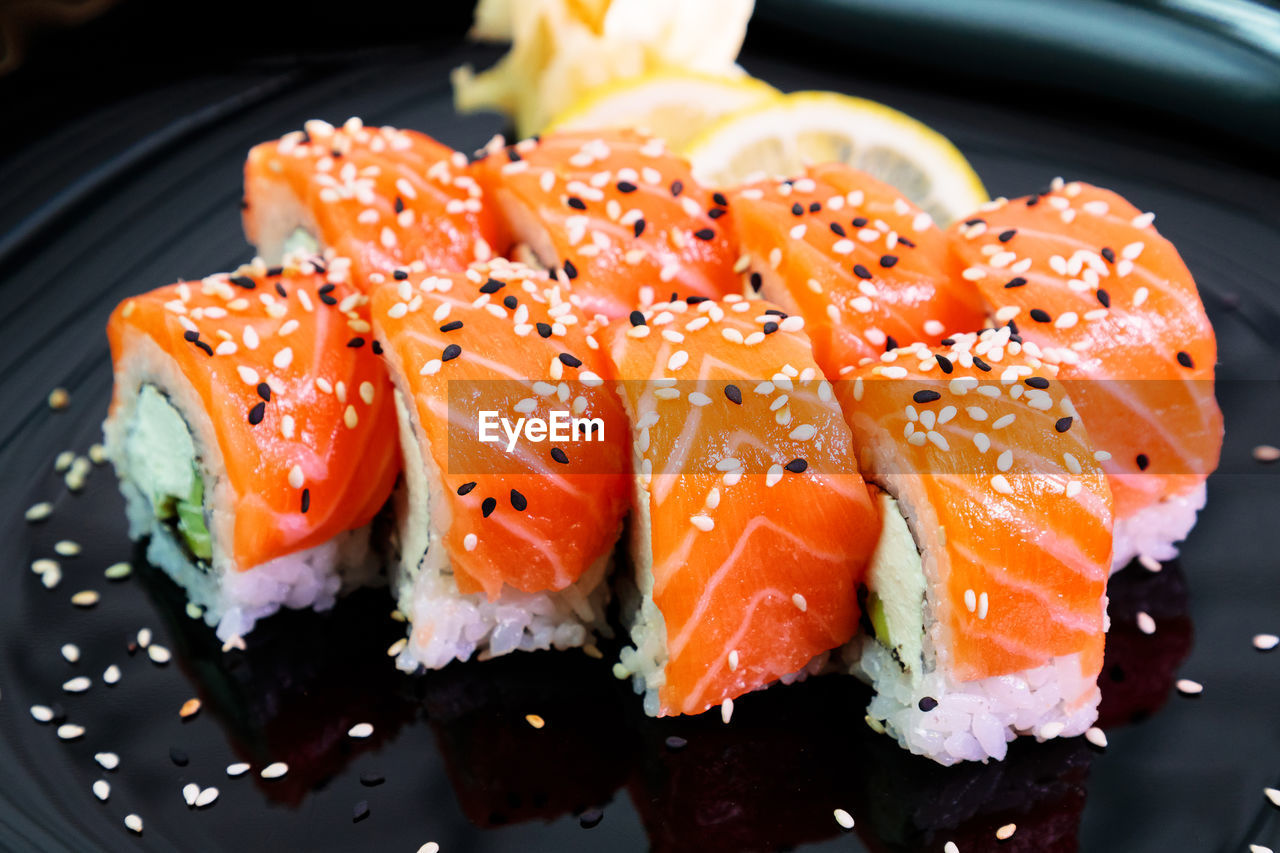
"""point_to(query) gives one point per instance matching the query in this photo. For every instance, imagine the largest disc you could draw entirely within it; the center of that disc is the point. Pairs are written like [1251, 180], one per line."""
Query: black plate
[99, 213]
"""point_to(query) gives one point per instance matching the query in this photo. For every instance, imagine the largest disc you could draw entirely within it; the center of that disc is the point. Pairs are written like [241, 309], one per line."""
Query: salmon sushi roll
[1084, 274]
[504, 535]
[751, 527]
[986, 592]
[864, 266]
[383, 197]
[617, 218]
[253, 431]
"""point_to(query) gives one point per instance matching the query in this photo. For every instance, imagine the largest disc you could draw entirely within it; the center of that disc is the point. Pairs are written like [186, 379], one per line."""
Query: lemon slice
[780, 137]
[674, 105]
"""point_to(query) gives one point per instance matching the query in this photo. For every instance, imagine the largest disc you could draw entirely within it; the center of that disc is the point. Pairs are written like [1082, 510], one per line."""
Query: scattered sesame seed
[1266, 453]
[107, 760]
[274, 770]
[1265, 642]
[1096, 736]
[85, 598]
[206, 797]
[726, 710]
[1187, 687]
[534, 720]
[1149, 563]
[189, 708]
[238, 769]
[360, 730]
[66, 548]
[159, 654]
[134, 823]
[70, 731]
[1273, 795]
[59, 398]
[1006, 832]
[117, 571]
[111, 675]
[844, 819]
[1146, 624]
[79, 684]
[39, 512]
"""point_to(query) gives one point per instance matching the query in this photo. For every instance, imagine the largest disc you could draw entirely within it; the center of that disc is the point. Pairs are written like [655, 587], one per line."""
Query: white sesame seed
[1149, 563]
[71, 652]
[1052, 729]
[85, 598]
[206, 797]
[1004, 461]
[190, 792]
[295, 477]
[950, 847]
[275, 770]
[1096, 736]
[844, 819]
[1187, 687]
[429, 847]
[66, 548]
[697, 398]
[159, 654]
[283, 358]
[102, 789]
[360, 730]
[705, 523]
[1273, 795]
[111, 675]
[42, 713]
[726, 710]
[1146, 624]
[1258, 848]
[983, 604]
[799, 601]
[1001, 484]
[238, 769]
[970, 600]
[70, 731]
[107, 760]
[1265, 642]
[79, 684]
[1006, 832]
[134, 823]
[1266, 453]
[39, 512]
[144, 637]
[117, 571]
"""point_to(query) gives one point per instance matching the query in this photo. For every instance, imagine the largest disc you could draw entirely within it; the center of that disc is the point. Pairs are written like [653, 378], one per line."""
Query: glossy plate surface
[109, 208]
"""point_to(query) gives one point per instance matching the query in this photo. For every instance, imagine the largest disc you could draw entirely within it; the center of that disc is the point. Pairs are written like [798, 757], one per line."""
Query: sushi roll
[751, 527]
[615, 216]
[1085, 275]
[504, 541]
[381, 196]
[863, 265]
[253, 431]
[986, 592]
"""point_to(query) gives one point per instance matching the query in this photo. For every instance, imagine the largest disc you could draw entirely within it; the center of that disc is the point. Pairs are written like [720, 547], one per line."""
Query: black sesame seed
[1063, 424]
[570, 271]
[903, 241]
[676, 188]
[1006, 236]
[264, 391]
[797, 209]
[371, 779]
[890, 343]
[769, 328]
[926, 396]
[859, 221]
[948, 342]
[451, 327]
[637, 227]
[797, 466]
[636, 318]
[1142, 461]
[577, 203]
[1104, 298]
[377, 348]
[837, 229]
[981, 365]
[888, 260]
[1037, 382]
[675, 743]
[306, 500]
[975, 221]
[944, 363]
[178, 757]
[1040, 316]
[518, 501]
[328, 299]
[1032, 201]
[704, 234]
[1109, 254]
[256, 414]
[325, 288]
[1184, 358]
[487, 506]
[734, 393]
[815, 206]
[719, 199]
[569, 360]
[774, 312]
[512, 154]
[284, 294]
[559, 455]
[696, 300]
[626, 187]
[451, 352]
[492, 286]
[510, 301]
[243, 281]
[716, 212]
[1016, 281]
[544, 329]
[927, 703]
[191, 335]
[756, 282]
[208, 350]
[356, 342]
[360, 812]
[400, 275]
[399, 205]
[591, 818]
[466, 488]
[861, 272]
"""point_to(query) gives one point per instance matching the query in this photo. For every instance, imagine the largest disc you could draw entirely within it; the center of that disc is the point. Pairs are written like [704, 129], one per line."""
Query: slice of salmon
[980, 444]
[382, 196]
[500, 338]
[752, 523]
[1083, 273]
[863, 265]
[618, 218]
[282, 363]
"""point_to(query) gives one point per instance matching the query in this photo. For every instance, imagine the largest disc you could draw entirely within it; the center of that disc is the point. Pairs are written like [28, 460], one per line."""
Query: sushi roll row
[804, 429]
